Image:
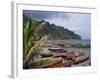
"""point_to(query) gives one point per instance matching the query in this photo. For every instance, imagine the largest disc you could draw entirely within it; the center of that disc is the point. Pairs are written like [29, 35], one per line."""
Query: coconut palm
[32, 42]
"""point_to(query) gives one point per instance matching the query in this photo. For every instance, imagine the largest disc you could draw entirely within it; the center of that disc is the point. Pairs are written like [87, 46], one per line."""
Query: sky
[80, 23]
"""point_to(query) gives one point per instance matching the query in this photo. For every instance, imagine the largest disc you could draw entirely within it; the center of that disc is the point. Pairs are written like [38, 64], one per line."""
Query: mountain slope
[56, 32]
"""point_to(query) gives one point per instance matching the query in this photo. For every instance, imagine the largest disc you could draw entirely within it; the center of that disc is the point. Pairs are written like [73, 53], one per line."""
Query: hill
[56, 32]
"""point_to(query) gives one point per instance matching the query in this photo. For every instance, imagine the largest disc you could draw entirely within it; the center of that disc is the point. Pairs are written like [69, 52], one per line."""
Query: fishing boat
[46, 54]
[63, 55]
[80, 59]
[73, 55]
[64, 64]
[61, 50]
[58, 65]
[45, 62]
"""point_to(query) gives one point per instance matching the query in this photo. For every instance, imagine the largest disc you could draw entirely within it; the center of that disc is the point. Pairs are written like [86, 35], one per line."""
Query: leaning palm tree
[32, 42]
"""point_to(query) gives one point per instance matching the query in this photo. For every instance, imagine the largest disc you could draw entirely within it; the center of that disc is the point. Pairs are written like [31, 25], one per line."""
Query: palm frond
[35, 48]
[32, 41]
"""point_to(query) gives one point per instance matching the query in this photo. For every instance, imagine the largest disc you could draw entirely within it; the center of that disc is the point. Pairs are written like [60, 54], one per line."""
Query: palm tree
[32, 42]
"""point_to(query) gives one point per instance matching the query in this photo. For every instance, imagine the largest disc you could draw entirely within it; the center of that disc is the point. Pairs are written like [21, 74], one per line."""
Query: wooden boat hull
[64, 64]
[73, 55]
[61, 50]
[45, 62]
[80, 59]
[46, 55]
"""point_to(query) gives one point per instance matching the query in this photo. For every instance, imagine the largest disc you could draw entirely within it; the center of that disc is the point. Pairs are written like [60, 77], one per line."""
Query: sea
[76, 41]
[83, 42]
[73, 41]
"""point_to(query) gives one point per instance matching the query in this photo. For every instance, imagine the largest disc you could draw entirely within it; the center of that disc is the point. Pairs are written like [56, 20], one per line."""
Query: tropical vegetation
[32, 42]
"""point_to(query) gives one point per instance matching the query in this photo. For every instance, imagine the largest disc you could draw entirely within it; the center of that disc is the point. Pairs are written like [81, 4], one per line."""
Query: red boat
[68, 55]
[64, 64]
[80, 59]
[73, 55]
[58, 65]
[60, 55]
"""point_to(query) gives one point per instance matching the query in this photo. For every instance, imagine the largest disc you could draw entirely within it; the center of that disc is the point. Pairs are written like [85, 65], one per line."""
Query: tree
[32, 42]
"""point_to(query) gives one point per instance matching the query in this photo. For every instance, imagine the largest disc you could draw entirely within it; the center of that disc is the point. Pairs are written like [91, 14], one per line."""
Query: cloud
[77, 22]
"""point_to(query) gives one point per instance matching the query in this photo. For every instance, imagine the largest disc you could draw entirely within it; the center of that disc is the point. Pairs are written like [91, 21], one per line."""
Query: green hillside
[56, 32]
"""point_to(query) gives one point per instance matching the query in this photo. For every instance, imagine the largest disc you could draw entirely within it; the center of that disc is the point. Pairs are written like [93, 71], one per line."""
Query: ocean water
[83, 42]
[76, 41]
[73, 41]
[77, 50]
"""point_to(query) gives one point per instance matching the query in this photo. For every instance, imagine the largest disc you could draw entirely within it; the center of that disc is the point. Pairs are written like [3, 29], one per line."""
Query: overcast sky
[80, 23]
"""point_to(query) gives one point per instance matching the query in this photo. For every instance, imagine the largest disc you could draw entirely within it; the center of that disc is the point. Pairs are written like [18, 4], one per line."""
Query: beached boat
[63, 55]
[74, 55]
[68, 55]
[46, 54]
[80, 59]
[61, 50]
[64, 64]
[45, 62]
[58, 65]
